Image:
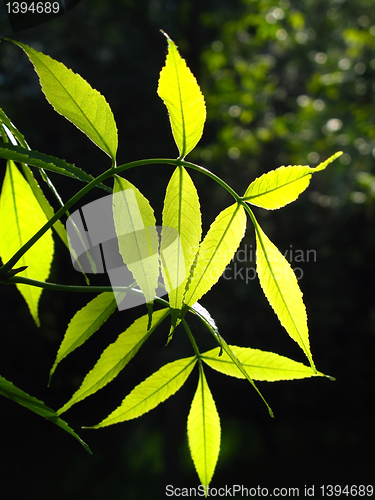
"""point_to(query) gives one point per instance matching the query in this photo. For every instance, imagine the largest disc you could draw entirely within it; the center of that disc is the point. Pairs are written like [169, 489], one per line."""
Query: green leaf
[44, 204]
[21, 217]
[85, 323]
[46, 162]
[216, 251]
[277, 188]
[281, 288]
[203, 429]
[10, 133]
[260, 365]
[74, 98]
[182, 213]
[205, 316]
[137, 236]
[183, 98]
[9, 390]
[151, 392]
[115, 357]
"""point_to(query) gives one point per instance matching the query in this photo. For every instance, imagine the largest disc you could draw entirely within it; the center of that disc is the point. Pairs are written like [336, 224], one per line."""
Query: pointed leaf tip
[282, 186]
[152, 391]
[72, 97]
[181, 94]
[21, 217]
[204, 431]
[281, 288]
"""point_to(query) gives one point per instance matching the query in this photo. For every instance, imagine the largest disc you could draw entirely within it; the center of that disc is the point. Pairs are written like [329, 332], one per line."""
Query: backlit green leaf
[260, 365]
[206, 318]
[10, 133]
[216, 251]
[74, 98]
[152, 391]
[182, 213]
[203, 429]
[115, 357]
[46, 162]
[183, 98]
[277, 188]
[137, 236]
[84, 323]
[281, 288]
[44, 203]
[21, 217]
[9, 390]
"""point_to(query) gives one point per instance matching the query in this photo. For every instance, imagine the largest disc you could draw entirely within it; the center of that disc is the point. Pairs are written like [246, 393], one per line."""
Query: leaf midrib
[75, 102]
[136, 239]
[246, 365]
[247, 198]
[306, 350]
[216, 249]
[175, 60]
[154, 392]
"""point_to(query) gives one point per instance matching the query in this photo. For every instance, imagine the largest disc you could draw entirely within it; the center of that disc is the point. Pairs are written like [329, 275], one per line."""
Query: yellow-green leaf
[183, 98]
[281, 288]
[277, 188]
[203, 429]
[20, 218]
[74, 98]
[115, 357]
[85, 323]
[152, 391]
[137, 236]
[260, 365]
[182, 213]
[216, 251]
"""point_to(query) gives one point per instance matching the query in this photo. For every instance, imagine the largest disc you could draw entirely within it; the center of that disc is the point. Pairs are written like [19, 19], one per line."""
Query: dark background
[274, 75]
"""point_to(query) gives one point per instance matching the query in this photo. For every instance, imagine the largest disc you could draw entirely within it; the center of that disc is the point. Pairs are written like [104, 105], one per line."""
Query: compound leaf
[84, 323]
[152, 391]
[137, 236]
[260, 365]
[281, 288]
[183, 98]
[182, 213]
[203, 429]
[216, 251]
[10, 391]
[277, 188]
[115, 357]
[74, 98]
[21, 217]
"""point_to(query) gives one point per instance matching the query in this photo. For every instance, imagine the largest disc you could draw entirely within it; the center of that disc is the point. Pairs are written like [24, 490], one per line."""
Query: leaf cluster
[187, 267]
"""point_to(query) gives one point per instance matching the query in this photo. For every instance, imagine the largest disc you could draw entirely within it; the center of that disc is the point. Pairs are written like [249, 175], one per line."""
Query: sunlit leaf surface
[204, 432]
[20, 218]
[184, 100]
[74, 98]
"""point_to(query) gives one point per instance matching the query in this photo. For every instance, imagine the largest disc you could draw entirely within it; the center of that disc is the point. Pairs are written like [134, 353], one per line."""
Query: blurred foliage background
[286, 82]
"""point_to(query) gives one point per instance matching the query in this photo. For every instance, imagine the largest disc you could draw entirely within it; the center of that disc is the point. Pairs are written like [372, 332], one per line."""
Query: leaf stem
[192, 340]
[105, 175]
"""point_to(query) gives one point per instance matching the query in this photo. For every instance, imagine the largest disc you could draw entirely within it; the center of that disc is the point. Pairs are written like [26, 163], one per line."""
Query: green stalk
[105, 175]
[192, 340]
